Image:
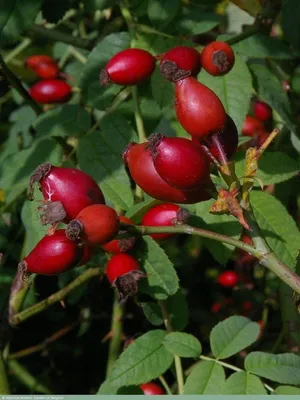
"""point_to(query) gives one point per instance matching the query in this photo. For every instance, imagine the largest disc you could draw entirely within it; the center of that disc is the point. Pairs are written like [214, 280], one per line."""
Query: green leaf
[92, 92]
[282, 368]
[224, 224]
[243, 383]
[233, 335]
[270, 90]
[162, 90]
[16, 169]
[234, 90]
[66, 120]
[145, 359]
[17, 16]
[291, 390]
[183, 344]
[290, 21]
[162, 279]
[278, 227]
[22, 119]
[99, 154]
[153, 313]
[162, 12]
[207, 377]
[136, 212]
[273, 167]
[194, 21]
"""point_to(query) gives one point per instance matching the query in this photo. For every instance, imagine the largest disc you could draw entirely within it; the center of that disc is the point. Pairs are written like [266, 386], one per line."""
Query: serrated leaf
[145, 359]
[243, 383]
[17, 16]
[162, 279]
[282, 368]
[290, 390]
[290, 21]
[136, 212]
[270, 90]
[206, 378]
[66, 120]
[234, 89]
[233, 335]
[92, 92]
[225, 224]
[278, 227]
[162, 12]
[17, 168]
[183, 344]
[273, 167]
[99, 154]
[162, 90]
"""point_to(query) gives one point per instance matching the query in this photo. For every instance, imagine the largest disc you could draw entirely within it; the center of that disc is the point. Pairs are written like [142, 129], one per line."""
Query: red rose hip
[95, 225]
[180, 162]
[228, 279]
[44, 66]
[128, 67]
[198, 109]
[151, 389]
[123, 272]
[118, 246]
[33, 61]
[180, 62]
[166, 214]
[53, 255]
[262, 111]
[217, 58]
[51, 91]
[69, 188]
[251, 126]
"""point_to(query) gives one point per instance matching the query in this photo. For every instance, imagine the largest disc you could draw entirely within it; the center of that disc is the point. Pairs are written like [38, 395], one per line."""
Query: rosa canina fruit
[66, 191]
[51, 91]
[128, 67]
[151, 389]
[198, 109]
[217, 58]
[180, 62]
[143, 172]
[53, 255]
[251, 126]
[33, 61]
[179, 161]
[166, 214]
[123, 272]
[44, 67]
[95, 225]
[262, 111]
[228, 279]
[117, 246]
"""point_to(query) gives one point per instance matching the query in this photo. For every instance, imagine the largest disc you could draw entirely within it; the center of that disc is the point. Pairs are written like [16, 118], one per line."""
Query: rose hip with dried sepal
[128, 67]
[217, 58]
[180, 62]
[123, 272]
[166, 214]
[117, 246]
[66, 191]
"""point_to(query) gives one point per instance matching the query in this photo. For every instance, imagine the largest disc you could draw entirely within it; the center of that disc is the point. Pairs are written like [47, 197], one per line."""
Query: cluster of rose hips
[49, 89]
[254, 126]
[178, 169]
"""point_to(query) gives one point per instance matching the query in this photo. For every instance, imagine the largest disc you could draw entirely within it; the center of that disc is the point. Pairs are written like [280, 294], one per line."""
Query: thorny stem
[16, 83]
[56, 297]
[116, 334]
[177, 359]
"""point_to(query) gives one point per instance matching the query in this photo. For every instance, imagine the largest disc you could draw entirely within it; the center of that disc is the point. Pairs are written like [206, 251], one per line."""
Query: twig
[165, 384]
[4, 386]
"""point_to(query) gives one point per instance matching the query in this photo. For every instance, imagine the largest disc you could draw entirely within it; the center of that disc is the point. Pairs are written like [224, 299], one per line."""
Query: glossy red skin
[181, 163]
[228, 279]
[161, 215]
[34, 61]
[46, 71]
[227, 139]
[51, 91]
[262, 111]
[130, 66]
[75, 189]
[186, 58]
[143, 172]
[119, 265]
[151, 389]
[251, 126]
[207, 58]
[53, 255]
[114, 246]
[100, 224]
[198, 109]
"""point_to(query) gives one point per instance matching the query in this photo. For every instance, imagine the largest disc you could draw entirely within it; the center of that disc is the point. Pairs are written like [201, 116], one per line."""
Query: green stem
[4, 386]
[252, 30]
[116, 334]
[25, 377]
[56, 297]
[177, 359]
[138, 116]
[17, 50]
[165, 384]
[56, 35]
[15, 82]
[147, 29]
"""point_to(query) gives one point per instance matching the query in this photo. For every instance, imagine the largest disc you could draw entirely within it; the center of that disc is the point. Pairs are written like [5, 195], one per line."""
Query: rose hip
[217, 58]
[51, 91]
[180, 62]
